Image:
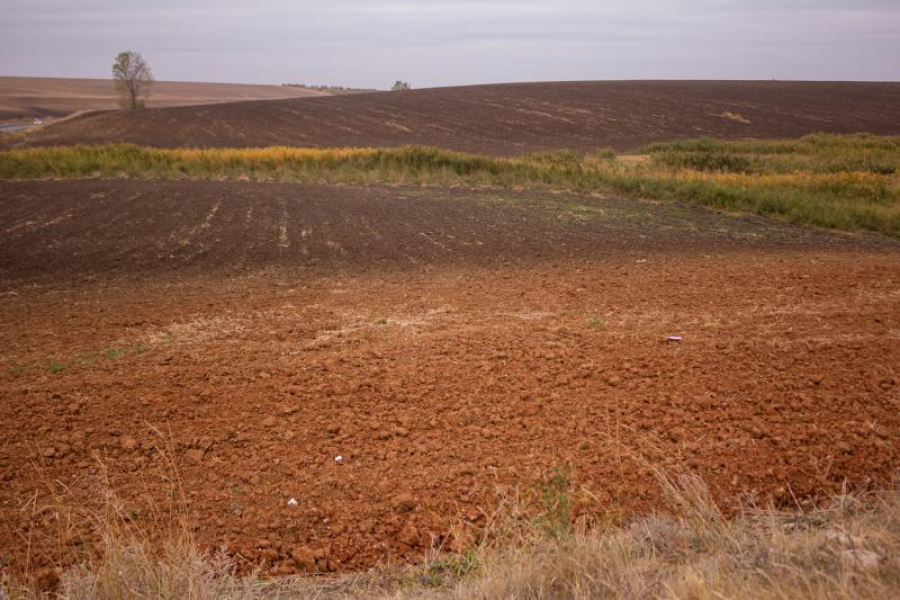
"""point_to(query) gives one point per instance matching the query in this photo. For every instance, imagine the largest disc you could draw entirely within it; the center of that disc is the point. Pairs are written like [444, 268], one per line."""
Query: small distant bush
[556, 158]
[706, 160]
[604, 154]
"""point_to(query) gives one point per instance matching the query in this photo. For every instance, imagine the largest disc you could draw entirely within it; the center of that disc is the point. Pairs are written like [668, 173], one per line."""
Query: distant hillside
[509, 118]
[29, 97]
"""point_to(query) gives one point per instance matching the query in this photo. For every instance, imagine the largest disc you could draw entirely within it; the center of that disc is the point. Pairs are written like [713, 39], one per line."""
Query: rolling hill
[507, 118]
[29, 97]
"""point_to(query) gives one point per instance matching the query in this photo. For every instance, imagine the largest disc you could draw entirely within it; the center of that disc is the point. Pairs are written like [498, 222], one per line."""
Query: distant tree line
[336, 90]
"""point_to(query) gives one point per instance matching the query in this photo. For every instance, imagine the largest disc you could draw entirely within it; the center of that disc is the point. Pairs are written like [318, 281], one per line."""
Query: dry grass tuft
[847, 549]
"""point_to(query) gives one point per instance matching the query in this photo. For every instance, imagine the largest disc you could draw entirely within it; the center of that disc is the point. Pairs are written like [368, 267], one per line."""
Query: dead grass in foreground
[847, 549]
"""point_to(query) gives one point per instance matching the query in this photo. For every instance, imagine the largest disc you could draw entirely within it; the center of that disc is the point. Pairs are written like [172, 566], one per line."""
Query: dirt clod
[195, 454]
[409, 535]
[404, 503]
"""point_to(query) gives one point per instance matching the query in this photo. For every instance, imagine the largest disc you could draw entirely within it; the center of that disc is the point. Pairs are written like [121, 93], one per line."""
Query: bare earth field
[508, 119]
[29, 97]
[211, 347]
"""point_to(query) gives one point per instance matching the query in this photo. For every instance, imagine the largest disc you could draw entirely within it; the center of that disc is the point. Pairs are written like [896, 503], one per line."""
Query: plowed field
[209, 349]
[508, 119]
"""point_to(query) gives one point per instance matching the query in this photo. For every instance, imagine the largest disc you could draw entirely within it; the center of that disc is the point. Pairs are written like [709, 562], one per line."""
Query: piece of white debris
[674, 338]
[339, 459]
[292, 502]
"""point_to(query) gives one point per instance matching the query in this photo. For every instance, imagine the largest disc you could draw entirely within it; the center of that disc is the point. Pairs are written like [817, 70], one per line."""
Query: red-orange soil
[468, 343]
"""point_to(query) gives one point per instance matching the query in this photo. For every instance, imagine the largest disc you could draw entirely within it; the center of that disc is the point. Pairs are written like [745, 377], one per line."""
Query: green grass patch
[818, 153]
[55, 367]
[555, 518]
[840, 182]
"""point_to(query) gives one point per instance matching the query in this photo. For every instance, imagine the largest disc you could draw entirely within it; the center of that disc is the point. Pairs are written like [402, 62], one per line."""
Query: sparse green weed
[554, 494]
[450, 567]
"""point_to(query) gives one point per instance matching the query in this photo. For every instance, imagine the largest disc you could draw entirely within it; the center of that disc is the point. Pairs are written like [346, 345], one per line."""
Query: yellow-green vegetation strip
[840, 182]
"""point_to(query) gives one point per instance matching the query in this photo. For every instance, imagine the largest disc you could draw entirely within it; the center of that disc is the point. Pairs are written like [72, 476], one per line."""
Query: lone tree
[133, 79]
[401, 85]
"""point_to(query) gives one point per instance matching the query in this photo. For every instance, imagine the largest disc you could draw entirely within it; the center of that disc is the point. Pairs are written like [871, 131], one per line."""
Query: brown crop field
[208, 349]
[30, 97]
[508, 119]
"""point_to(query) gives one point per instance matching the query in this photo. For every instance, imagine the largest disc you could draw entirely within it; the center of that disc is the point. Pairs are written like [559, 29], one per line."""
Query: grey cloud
[443, 42]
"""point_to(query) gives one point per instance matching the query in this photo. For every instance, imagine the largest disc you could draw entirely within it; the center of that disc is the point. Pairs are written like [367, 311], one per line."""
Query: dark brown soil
[509, 119]
[449, 345]
[83, 230]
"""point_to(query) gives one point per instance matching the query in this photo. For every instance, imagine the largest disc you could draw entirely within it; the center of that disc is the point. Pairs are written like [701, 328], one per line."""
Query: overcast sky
[372, 43]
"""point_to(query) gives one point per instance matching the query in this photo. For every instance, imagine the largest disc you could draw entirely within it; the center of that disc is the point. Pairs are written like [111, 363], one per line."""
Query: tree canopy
[133, 79]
